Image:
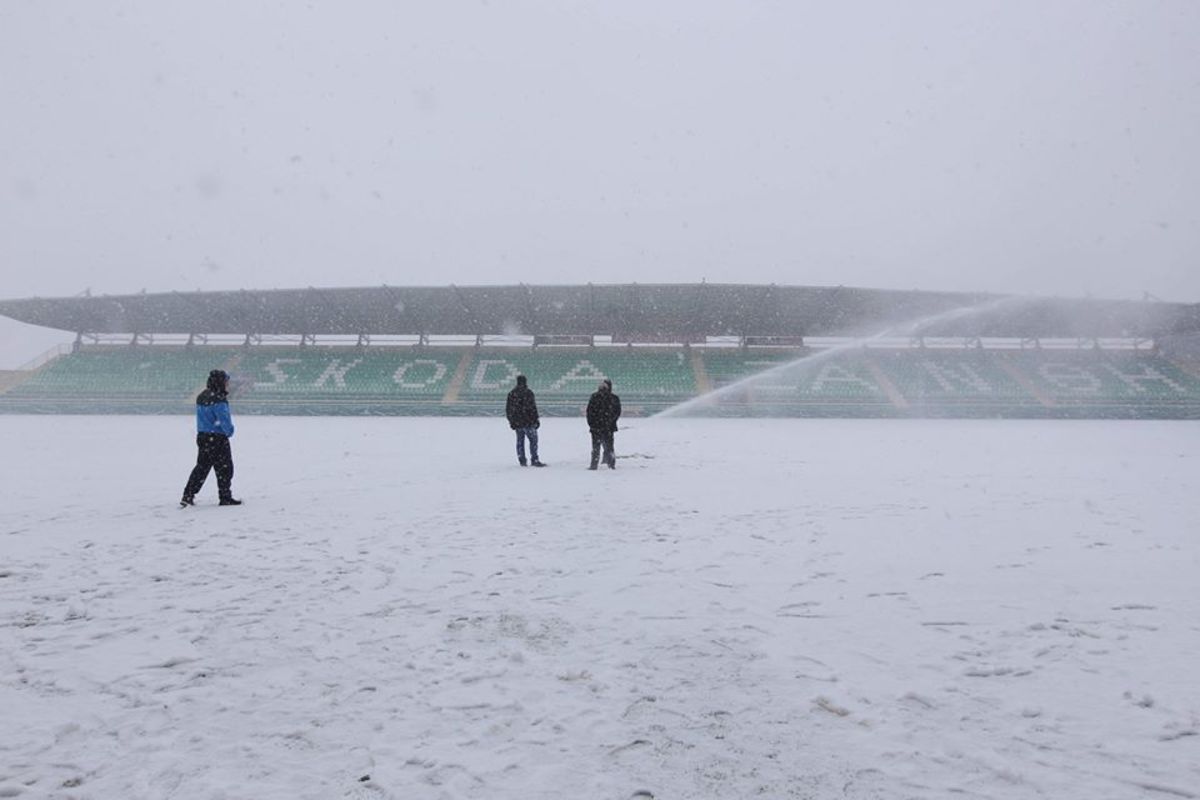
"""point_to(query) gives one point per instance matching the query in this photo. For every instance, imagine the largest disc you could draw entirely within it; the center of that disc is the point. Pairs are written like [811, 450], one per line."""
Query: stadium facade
[817, 351]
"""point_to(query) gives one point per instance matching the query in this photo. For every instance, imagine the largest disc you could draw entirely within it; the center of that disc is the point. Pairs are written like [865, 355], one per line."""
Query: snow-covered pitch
[743, 608]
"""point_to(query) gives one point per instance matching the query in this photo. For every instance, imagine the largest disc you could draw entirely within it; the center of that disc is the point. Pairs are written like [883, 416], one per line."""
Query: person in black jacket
[603, 411]
[214, 428]
[522, 413]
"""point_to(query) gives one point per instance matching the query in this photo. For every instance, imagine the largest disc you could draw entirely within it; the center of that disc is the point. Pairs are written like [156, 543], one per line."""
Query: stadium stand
[799, 383]
[1109, 383]
[647, 380]
[397, 350]
[845, 382]
[313, 380]
[953, 382]
[141, 380]
[11, 378]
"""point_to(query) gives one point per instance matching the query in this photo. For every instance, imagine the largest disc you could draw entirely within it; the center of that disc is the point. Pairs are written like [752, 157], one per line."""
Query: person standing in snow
[522, 413]
[214, 427]
[603, 410]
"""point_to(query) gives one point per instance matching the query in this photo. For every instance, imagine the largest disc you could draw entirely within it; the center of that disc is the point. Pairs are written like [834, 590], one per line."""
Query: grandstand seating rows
[457, 380]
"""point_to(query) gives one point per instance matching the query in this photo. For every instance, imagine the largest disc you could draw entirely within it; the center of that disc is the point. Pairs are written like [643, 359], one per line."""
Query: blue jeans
[521, 434]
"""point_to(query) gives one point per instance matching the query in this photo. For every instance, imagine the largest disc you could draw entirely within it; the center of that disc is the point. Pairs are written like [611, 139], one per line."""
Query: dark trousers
[604, 440]
[531, 432]
[212, 453]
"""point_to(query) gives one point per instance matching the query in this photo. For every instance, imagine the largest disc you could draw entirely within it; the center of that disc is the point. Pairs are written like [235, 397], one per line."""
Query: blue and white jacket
[212, 413]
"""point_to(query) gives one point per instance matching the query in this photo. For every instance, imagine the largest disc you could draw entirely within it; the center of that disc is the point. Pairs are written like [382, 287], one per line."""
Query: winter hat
[217, 379]
[607, 383]
[520, 380]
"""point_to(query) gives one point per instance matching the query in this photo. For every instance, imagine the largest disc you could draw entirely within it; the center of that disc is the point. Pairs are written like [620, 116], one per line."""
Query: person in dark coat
[522, 413]
[603, 411]
[214, 428]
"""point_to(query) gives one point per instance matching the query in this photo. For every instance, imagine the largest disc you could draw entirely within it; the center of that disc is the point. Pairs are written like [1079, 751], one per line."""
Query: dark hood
[218, 382]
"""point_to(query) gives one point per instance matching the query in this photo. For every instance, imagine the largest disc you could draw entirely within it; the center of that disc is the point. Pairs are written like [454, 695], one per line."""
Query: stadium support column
[1188, 366]
[881, 378]
[700, 372]
[234, 361]
[460, 377]
[1182, 350]
[1014, 372]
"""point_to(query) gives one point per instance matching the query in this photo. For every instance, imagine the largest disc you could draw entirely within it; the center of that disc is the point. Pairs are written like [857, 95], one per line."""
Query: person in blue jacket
[214, 428]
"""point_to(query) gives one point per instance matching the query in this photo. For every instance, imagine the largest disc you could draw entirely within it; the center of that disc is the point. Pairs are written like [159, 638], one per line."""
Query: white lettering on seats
[275, 369]
[478, 381]
[578, 373]
[1069, 378]
[774, 382]
[952, 377]
[1145, 373]
[439, 372]
[336, 371]
[832, 373]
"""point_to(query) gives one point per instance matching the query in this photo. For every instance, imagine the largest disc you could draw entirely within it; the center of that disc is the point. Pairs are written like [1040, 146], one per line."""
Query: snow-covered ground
[744, 608]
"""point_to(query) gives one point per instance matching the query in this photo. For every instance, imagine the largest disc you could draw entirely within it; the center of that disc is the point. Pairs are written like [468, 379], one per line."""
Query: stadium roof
[628, 312]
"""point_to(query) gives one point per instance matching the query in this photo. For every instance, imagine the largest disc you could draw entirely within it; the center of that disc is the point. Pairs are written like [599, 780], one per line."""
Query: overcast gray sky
[1039, 146]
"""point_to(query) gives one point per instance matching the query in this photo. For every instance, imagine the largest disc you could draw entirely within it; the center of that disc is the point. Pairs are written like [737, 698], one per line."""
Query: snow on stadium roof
[628, 312]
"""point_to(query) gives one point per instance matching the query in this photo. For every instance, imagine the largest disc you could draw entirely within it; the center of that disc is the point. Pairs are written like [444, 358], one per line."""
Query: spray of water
[813, 360]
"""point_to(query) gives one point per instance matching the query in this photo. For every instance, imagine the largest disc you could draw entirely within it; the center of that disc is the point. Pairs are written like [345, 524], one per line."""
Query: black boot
[229, 501]
[187, 500]
[537, 463]
[521, 461]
